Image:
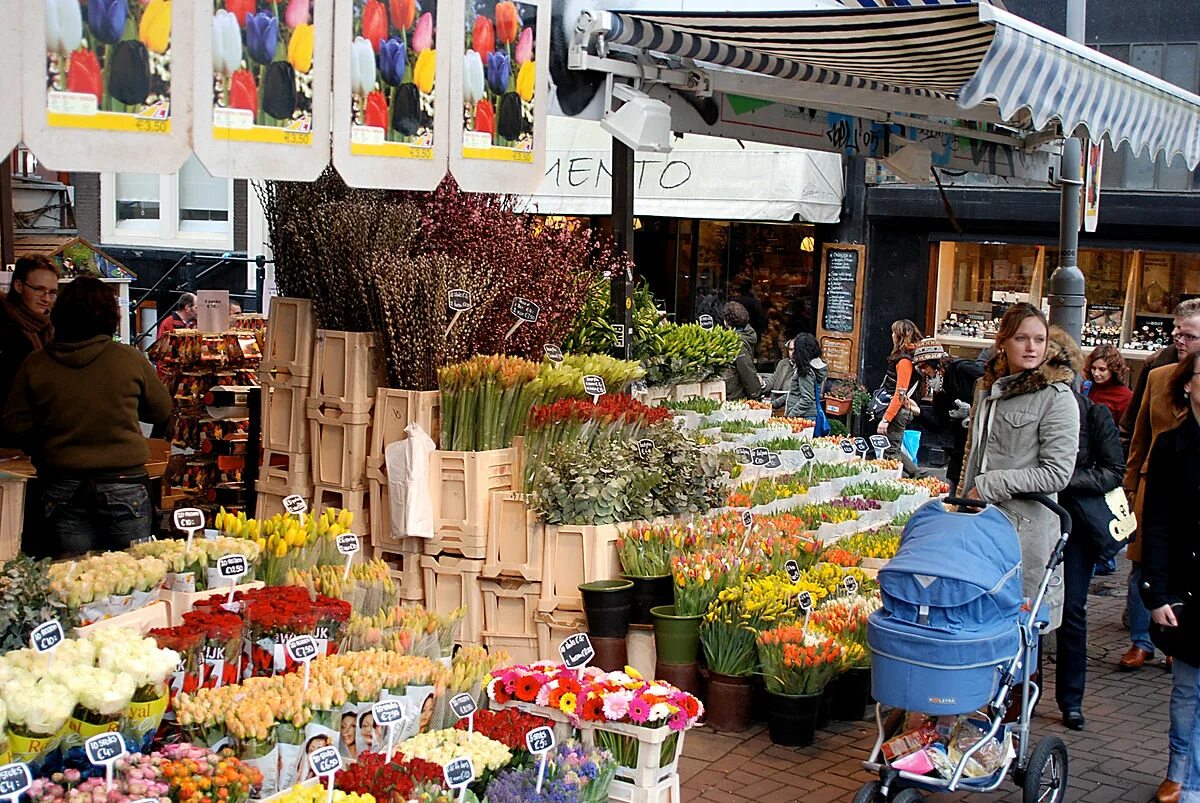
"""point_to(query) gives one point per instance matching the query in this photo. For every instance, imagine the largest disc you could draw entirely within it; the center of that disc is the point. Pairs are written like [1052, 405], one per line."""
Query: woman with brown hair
[890, 404]
[1108, 374]
[25, 320]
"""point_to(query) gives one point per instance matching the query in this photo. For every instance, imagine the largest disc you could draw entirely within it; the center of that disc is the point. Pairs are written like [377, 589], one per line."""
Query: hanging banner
[10, 64]
[107, 84]
[263, 75]
[499, 84]
[1093, 164]
[391, 118]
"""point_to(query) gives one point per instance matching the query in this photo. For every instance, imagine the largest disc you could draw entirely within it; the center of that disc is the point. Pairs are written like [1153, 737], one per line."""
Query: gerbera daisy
[593, 710]
[527, 689]
[678, 721]
[639, 711]
[566, 703]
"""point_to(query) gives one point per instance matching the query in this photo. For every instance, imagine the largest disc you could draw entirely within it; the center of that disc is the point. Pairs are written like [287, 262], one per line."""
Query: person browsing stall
[25, 316]
[951, 384]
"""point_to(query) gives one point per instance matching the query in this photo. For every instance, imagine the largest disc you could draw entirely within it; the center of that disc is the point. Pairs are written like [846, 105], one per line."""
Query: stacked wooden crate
[512, 576]
[285, 374]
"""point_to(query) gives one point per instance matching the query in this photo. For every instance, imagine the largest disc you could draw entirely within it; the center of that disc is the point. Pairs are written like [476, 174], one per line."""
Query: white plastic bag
[408, 481]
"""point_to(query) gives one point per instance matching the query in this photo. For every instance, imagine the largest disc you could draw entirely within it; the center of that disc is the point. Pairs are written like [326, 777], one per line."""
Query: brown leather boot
[1168, 792]
[1134, 658]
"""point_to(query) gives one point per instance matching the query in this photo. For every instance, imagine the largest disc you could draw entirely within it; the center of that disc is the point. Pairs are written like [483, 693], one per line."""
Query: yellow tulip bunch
[369, 589]
[287, 545]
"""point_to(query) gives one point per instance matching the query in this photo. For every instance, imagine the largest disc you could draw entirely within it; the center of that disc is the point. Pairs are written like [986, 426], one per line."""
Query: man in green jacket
[741, 379]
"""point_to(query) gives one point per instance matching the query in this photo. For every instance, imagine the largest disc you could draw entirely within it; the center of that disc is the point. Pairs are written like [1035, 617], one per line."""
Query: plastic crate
[284, 468]
[284, 413]
[461, 484]
[453, 582]
[686, 391]
[515, 538]
[553, 627]
[339, 447]
[521, 649]
[576, 554]
[509, 605]
[396, 409]
[651, 769]
[290, 337]
[271, 495]
[12, 514]
[346, 372]
[342, 499]
[714, 390]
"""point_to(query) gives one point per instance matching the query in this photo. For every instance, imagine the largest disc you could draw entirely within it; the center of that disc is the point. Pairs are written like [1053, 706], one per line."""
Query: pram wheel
[868, 793]
[1045, 777]
[909, 795]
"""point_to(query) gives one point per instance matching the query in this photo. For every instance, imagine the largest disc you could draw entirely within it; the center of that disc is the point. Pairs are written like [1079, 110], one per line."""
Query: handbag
[1181, 642]
[1106, 518]
[821, 426]
[880, 400]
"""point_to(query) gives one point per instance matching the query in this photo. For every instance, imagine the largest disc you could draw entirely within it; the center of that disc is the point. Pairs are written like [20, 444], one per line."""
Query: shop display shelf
[346, 371]
[290, 337]
[553, 627]
[575, 554]
[515, 538]
[339, 447]
[452, 582]
[284, 415]
[460, 487]
[148, 617]
[509, 606]
[396, 409]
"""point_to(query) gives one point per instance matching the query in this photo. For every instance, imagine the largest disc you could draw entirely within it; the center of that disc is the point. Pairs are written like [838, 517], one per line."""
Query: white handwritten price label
[847, 446]
[189, 520]
[576, 650]
[231, 567]
[325, 762]
[761, 455]
[539, 742]
[645, 448]
[459, 302]
[743, 455]
[793, 570]
[46, 636]
[553, 353]
[458, 774]
[349, 545]
[594, 386]
[747, 519]
[705, 321]
[525, 311]
[880, 444]
[388, 714]
[15, 780]
[104, 750]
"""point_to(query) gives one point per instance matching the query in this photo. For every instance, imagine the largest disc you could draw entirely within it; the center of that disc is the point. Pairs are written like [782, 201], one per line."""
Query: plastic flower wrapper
[369, 590]
[221, 650]
[188, 643]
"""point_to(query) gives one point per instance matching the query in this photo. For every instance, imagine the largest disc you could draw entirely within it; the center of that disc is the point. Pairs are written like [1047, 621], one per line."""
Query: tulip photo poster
[108, 65]
[393, 60]
[262, 70]
[499, 80]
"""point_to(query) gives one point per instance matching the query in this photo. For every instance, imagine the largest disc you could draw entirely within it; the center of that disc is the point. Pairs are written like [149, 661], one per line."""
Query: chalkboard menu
[842, 279]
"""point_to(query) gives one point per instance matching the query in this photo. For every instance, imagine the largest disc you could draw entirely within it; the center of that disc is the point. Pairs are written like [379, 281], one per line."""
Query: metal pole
[1067, 285]
[622, 213]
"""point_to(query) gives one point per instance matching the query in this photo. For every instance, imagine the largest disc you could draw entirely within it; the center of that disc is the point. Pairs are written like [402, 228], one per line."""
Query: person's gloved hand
[961, 411]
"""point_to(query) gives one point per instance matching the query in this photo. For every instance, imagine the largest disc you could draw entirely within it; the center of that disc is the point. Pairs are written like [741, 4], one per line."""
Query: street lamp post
[1067, 285]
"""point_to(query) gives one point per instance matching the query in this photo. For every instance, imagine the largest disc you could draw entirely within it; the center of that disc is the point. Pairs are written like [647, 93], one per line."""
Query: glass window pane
[1139, 171]
[137, 198]
[202, 198]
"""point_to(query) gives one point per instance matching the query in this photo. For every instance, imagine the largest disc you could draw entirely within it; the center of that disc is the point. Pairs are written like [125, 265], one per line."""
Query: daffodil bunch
[830, 580]
[881, 543]
[774, 599]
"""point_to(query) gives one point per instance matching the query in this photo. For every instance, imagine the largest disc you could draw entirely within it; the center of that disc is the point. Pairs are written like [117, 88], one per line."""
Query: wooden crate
[515, 538]
[339, 448]
[284, 413]
[452, 582]
[576, 554]
[509, 605]
[521, 649]
[553, 627]
[346, 371]
[461, 484]
[291, 328]
[12, 514]
[714, 390]
[396, 409]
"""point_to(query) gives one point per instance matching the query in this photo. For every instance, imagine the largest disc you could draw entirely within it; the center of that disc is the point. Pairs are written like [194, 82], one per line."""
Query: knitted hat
[927, 350]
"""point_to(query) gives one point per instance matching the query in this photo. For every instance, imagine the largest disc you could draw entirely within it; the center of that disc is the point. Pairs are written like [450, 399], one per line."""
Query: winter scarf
[37, 328]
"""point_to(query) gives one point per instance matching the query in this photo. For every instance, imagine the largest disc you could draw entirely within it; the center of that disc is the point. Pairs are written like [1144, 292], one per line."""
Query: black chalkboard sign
[840, 297]
[576, 650]
[104, 748]
[324, 761]
[14, 779]
[459, 773]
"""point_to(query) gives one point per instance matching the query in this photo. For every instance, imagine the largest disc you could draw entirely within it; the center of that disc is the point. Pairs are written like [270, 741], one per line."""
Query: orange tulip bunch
[796, 662]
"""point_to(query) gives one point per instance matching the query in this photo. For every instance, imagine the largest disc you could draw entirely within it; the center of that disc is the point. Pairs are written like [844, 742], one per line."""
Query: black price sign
[743, 454]
[459, 300]
[189, 519]
[576, 650]
[540, 740]
[302, 649]
[879, 442]
[553, 353]
[808, 452]
[347, 543]
[747, 519]
[47, 636]
[793, 570]
[805, 601]
[860, 445]
[847, 447]
[619, 330]
[645, 446]
[705, 321]
[295, 504]
[773, 460]
[325, 761]
[594, 385]
[232, 565]
[387, 712]
[14, 780]
[463, 705]
[459, 772]
[850, 584]
[525, 310]
[761, 455]
[104, 748]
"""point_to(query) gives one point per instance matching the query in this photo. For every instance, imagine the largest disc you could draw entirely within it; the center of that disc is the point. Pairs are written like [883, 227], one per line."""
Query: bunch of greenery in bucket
[564, 380]
[595, 334]
[691, 353]
[697, 405]
[485, 402]
[879, 491]
[606, 485]
[693, 478]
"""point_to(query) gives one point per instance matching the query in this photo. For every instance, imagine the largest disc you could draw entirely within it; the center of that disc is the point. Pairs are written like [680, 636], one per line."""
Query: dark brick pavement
[1121, 756]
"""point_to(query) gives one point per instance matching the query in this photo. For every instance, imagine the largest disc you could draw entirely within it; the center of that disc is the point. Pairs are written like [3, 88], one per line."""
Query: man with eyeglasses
[25, 315]
[184, 316]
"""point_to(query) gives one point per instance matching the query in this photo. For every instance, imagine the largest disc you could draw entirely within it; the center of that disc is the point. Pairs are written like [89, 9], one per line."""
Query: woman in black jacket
[1171, 569]
[1099, 468]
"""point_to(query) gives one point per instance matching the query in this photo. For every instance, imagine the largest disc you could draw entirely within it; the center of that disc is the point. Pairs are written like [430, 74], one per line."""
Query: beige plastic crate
[404, 567]
[12, 515]
[576, 554]
[509, 606]
[346, 371]
[355, 501]
[714, 390]
[396, 409]
[515, 538]
[284, 413]
[290, 337]
[686, 391]
[461, 484]
[284, 468]
[521, 649]
[452, 582]
[339, 447]
[553, 627]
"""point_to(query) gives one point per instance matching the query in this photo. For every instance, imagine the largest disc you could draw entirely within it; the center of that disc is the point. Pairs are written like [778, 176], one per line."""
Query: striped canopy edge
[976, 53]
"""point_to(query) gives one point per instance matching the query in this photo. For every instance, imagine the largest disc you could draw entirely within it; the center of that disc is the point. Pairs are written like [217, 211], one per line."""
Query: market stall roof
[950, 60]
[59, 248]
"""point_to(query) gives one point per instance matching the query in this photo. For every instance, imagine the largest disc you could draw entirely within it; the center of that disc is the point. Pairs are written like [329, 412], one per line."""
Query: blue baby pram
[955, 636]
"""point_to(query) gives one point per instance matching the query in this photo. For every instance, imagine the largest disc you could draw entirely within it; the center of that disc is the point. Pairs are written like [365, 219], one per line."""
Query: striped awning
[973, 53]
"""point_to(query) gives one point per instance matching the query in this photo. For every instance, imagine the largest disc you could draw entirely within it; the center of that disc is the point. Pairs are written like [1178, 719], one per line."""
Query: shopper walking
[951, 385]
[25, 318]
[1109, 380]
[805, 392]
[1157, 412]
[1024, 438]
[75, 407]
[889, 404]
[1099, 468]
[1171, 571]
[184, 316]
[741, 380]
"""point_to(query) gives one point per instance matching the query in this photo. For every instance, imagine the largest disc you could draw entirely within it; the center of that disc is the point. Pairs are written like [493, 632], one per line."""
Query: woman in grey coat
[1024, 439]
[811, 373]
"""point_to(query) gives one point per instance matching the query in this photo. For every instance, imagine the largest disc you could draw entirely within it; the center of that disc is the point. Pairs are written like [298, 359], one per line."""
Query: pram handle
[1064, 517]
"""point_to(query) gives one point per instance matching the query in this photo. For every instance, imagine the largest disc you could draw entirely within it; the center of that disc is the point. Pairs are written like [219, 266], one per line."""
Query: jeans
[1183, 763]
[1071, 669]
[87, 515]
[1139, 617]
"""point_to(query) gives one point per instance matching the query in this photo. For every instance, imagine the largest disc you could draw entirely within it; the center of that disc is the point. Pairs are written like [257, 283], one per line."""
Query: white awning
[702, 177]
[915, 58]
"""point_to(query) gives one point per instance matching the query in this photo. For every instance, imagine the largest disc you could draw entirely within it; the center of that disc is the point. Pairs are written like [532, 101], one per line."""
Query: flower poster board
[387, 93]
[502, 95]
[107, 83]
[262, 77]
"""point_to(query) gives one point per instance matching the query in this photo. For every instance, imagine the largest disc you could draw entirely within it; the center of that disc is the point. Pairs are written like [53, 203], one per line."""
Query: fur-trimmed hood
[1058, 369]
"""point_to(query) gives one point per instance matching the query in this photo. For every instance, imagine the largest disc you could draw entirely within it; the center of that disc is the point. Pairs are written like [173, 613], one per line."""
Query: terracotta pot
[728, 702]
[612, 654]
[685, 677]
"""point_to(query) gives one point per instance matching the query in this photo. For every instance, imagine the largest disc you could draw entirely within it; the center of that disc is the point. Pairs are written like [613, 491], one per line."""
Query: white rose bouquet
[38, 711]
[443, 746]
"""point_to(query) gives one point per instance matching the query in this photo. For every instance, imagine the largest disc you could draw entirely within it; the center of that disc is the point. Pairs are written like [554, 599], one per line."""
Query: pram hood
[954, 571]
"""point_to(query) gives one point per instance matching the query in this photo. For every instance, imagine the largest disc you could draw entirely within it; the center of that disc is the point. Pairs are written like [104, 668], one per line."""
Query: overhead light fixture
[809, 243]
[912, 162]
[642, 123]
